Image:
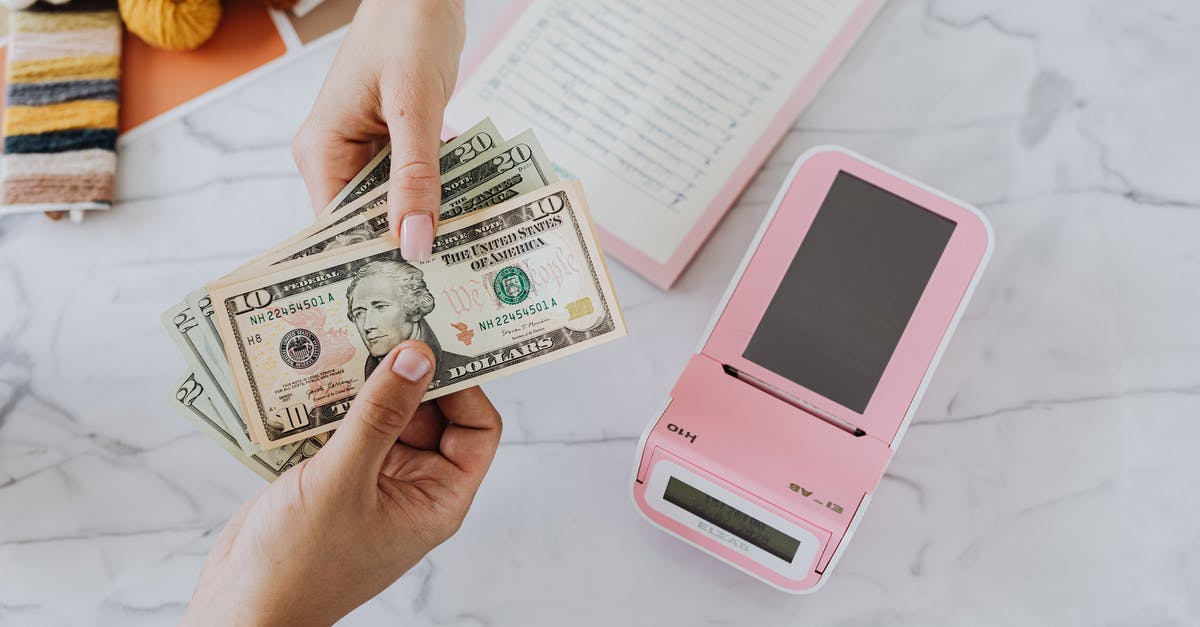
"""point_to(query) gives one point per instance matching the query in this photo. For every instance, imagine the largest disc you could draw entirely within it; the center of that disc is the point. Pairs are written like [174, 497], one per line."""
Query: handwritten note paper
[653, 105]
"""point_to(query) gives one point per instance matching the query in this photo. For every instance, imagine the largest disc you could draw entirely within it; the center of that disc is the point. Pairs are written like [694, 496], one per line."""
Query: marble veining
[1048, 479]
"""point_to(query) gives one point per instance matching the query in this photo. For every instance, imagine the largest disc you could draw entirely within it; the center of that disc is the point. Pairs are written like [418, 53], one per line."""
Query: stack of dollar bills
[277, 349]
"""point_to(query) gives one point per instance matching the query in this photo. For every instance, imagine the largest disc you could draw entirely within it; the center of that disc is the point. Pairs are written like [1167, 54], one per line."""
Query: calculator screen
[731, 519]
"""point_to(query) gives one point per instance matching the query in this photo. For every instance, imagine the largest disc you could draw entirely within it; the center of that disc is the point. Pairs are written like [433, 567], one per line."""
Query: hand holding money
[391, 84]
[336, 328]
[399, 477]
[395, 482]
[279, 349]
[509, 287]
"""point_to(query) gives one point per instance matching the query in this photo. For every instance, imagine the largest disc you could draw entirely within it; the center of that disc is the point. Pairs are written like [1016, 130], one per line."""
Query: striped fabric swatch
[60, 118]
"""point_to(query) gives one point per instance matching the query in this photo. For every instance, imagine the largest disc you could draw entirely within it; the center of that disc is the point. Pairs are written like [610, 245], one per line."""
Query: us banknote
[191, 399]
[201, 306]
[510, 286]
[461, 150]
[184, 327]
[514, 167]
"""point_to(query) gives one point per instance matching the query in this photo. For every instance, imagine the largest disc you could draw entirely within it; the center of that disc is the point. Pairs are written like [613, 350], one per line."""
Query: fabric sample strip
[60, 117]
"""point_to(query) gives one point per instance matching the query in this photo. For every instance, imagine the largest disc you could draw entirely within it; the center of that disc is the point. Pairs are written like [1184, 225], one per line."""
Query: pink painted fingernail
[411, 364]
[416, 237]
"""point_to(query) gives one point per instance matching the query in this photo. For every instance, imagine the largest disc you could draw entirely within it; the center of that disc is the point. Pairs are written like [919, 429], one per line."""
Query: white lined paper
[653, 105]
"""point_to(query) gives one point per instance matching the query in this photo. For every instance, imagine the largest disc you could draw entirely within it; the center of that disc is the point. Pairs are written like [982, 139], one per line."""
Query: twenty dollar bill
[475, 141]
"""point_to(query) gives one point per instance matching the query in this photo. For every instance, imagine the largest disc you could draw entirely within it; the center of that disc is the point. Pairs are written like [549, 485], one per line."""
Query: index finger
[472, 433]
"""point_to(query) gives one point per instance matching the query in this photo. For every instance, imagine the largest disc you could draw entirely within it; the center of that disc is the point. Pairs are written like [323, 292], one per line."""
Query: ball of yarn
[171, 24]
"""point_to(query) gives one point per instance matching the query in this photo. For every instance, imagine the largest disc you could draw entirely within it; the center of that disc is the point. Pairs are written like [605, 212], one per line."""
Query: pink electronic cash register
[781, 425]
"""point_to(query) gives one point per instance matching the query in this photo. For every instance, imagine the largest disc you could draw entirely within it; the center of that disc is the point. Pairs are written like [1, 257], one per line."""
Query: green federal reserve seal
[511, 285]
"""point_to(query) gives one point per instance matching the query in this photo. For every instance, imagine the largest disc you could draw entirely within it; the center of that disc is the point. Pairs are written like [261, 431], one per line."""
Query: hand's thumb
[414, 189]
[383, 407]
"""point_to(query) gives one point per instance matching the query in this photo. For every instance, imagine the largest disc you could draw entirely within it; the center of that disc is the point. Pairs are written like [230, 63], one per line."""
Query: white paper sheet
[653, 105]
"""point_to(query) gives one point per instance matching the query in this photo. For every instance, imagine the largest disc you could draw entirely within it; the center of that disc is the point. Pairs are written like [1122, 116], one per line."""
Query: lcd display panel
[731, 519]
[848, 294]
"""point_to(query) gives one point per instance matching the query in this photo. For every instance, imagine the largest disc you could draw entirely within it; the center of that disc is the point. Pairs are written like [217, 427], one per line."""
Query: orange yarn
[171, 24]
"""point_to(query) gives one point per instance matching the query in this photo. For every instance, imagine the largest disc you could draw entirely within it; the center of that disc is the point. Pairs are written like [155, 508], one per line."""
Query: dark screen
[849, 292]
[731, 519]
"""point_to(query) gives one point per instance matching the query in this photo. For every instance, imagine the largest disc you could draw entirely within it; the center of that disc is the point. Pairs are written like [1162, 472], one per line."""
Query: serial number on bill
[518, 314]
[277, 313]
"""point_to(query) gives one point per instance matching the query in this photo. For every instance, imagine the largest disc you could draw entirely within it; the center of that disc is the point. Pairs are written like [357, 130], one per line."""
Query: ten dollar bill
[509, 287]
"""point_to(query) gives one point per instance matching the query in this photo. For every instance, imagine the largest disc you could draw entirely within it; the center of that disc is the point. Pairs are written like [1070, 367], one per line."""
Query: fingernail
[411, 364]
[416, 237]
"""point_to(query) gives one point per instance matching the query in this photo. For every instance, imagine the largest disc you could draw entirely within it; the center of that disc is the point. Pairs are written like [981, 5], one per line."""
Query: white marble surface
[1049, 478]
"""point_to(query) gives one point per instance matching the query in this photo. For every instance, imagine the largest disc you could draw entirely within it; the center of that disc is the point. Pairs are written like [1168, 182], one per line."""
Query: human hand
[391, 79]
[393, 482]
